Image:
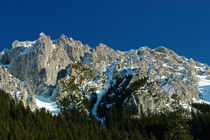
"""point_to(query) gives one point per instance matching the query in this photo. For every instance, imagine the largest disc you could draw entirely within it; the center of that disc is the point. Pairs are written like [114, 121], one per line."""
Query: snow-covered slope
[204, 87]
[203, 83]
[46, 103]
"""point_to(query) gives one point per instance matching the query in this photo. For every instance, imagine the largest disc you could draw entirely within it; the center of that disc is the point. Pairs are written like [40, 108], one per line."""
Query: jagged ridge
[65, 68]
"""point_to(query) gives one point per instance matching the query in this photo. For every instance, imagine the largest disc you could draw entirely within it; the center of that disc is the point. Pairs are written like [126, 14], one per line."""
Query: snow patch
[29, 43]
[186, 106]
[48, 104]
[204, 87]
[164, 83]
[54, 46]
[200, 101]
[18, 94]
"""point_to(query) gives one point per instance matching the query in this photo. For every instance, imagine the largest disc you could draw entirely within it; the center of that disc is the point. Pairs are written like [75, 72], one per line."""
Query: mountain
[66, 74]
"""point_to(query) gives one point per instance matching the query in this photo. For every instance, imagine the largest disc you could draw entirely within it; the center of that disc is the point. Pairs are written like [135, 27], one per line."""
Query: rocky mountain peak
[162, 49]
[63, 38]
[42, 35]
[144, 79]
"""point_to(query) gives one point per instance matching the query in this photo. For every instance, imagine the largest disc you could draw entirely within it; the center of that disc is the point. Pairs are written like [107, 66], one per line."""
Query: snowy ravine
[102, 90]
[100, 94]
[48, 104]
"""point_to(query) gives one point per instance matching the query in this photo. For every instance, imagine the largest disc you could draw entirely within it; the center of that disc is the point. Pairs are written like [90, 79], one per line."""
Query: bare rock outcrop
[65, 67]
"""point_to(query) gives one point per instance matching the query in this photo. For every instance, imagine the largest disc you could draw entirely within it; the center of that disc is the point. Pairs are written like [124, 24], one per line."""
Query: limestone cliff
[143, 80]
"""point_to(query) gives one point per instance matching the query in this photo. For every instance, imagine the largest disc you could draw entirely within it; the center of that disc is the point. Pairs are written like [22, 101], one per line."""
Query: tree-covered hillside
[19, 123]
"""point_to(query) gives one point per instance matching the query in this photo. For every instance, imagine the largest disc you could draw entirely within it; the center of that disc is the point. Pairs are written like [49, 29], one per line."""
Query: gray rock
[65, 67]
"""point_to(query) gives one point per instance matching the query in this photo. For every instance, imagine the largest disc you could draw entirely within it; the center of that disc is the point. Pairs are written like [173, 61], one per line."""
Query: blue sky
[181, 25]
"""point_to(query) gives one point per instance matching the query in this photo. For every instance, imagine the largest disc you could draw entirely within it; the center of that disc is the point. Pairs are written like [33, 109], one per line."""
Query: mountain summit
[45, 72]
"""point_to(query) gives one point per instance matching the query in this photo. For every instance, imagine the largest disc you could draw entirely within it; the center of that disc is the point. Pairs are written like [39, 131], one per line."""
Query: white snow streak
[102, 90]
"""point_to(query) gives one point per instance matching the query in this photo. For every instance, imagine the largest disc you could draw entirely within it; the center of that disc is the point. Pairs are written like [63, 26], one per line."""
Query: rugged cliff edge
[44, 72]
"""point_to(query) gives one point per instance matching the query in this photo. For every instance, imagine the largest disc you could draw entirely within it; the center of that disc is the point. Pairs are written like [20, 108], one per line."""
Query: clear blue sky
[181, 25]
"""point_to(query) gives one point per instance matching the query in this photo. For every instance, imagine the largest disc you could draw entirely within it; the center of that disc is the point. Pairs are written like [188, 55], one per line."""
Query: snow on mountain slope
[203, 83]
[204, 87]
[46, 103]
[103, 89]
[46, 66]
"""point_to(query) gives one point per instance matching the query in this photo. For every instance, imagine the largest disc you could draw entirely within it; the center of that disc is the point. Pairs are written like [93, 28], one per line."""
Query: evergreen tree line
[19, 123]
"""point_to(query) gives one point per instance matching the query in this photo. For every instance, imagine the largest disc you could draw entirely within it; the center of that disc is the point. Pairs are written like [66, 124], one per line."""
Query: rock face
[143, 80]
[17, 89]
[39, 62]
